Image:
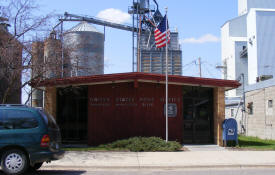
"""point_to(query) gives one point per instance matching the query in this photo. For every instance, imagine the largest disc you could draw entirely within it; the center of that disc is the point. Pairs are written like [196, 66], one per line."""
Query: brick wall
[50, 101]
[219, 114]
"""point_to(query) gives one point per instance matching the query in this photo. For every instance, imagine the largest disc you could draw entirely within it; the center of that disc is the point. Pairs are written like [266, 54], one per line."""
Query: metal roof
[137, 77]
[260, 85]
[84, 27]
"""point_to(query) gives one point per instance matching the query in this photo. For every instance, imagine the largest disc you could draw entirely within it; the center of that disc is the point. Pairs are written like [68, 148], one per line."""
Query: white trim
[238, 38]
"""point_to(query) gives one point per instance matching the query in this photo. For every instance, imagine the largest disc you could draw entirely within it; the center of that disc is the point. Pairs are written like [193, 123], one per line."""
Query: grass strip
[256, 143]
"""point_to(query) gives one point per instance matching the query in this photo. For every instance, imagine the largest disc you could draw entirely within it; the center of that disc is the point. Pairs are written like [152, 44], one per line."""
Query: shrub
[144, 144]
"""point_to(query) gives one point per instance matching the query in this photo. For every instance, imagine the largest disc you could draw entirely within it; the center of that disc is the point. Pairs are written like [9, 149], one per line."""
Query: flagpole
[166, 82]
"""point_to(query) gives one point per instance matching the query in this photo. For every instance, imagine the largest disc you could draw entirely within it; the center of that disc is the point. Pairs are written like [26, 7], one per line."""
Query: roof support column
[219, 114]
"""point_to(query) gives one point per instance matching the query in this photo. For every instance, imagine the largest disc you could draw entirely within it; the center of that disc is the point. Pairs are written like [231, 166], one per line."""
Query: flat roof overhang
[136, 77]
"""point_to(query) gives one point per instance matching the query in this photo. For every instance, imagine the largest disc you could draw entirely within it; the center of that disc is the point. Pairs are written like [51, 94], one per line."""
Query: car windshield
[50, 121]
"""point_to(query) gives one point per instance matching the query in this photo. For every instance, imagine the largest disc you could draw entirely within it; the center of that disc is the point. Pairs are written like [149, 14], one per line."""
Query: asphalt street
[220, 171]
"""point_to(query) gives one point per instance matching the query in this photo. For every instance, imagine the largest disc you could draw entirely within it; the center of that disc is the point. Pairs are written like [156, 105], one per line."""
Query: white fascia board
[227, 22]
[262, 10]
[238, 38]
[230, 20]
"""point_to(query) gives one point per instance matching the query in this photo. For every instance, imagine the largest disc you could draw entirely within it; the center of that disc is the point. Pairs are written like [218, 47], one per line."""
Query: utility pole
[200, 66]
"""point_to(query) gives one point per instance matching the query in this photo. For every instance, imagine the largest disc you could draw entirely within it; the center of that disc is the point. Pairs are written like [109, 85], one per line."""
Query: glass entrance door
[72, 114]
[202, 121]
[197, 118]
[188, 120]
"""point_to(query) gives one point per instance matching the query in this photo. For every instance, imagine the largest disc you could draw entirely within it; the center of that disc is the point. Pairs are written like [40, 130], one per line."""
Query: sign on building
[172, 109]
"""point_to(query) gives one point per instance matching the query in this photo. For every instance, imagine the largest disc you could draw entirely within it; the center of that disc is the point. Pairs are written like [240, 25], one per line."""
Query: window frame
[250, 108]
[270, 103]
[48, 119]
[232, 112]
[11, 120]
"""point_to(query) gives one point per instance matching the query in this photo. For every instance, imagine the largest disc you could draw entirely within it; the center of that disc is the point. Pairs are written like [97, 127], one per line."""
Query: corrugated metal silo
[84, 45]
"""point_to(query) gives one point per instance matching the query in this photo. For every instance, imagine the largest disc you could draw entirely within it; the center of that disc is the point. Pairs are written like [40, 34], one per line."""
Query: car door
[2, 136]
[5, 138]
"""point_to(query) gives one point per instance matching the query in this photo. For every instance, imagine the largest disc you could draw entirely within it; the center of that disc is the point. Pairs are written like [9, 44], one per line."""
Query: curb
[56, 167]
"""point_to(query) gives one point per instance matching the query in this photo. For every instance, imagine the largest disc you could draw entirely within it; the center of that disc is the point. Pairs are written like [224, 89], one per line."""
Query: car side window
[49, 119]
[19, 119]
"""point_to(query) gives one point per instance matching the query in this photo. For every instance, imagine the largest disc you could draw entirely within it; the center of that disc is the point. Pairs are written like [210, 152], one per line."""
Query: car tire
[14, 162]
[35, 167]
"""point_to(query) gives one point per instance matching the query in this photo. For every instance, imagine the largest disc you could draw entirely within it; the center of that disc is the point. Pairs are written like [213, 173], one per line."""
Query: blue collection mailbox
[230, 131]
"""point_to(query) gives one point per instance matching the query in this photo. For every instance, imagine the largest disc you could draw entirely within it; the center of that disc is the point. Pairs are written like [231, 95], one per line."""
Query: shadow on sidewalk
[53, 172]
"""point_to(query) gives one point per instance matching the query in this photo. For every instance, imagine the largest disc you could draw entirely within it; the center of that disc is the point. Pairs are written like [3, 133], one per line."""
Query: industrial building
[246, 42]
[148, 58]
[153, 60]
[247, 55]
[102, 108]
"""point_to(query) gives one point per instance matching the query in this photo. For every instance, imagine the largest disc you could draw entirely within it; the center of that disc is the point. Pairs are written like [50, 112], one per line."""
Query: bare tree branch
[15, 48]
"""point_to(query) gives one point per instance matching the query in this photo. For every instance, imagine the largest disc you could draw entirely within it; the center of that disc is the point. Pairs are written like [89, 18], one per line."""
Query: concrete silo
[84, 47]
[37, 71]
[10, 57]
[53, 57]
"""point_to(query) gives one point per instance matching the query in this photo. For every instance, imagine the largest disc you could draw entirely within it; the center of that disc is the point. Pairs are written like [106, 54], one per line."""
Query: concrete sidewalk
[188, 159]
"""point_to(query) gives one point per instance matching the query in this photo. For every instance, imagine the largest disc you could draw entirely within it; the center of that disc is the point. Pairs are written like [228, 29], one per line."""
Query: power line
[220, 70]
[192, 62]
[209, 72]
[187, 68]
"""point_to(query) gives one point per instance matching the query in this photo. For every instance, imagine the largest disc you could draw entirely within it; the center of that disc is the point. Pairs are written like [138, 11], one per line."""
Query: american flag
[160, 33]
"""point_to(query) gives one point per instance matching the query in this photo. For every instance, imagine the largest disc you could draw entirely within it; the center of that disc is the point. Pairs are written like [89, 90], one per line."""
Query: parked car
[28, 138]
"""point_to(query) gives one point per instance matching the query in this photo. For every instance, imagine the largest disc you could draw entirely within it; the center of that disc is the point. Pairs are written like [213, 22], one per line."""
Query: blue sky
[198, 23]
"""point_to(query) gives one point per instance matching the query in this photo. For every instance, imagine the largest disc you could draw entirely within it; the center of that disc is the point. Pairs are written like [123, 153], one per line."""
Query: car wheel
[14, 162]
[35, 166]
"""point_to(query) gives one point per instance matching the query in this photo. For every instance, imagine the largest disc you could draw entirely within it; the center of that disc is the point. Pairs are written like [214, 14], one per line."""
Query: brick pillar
[50, 101]
[219, 114]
